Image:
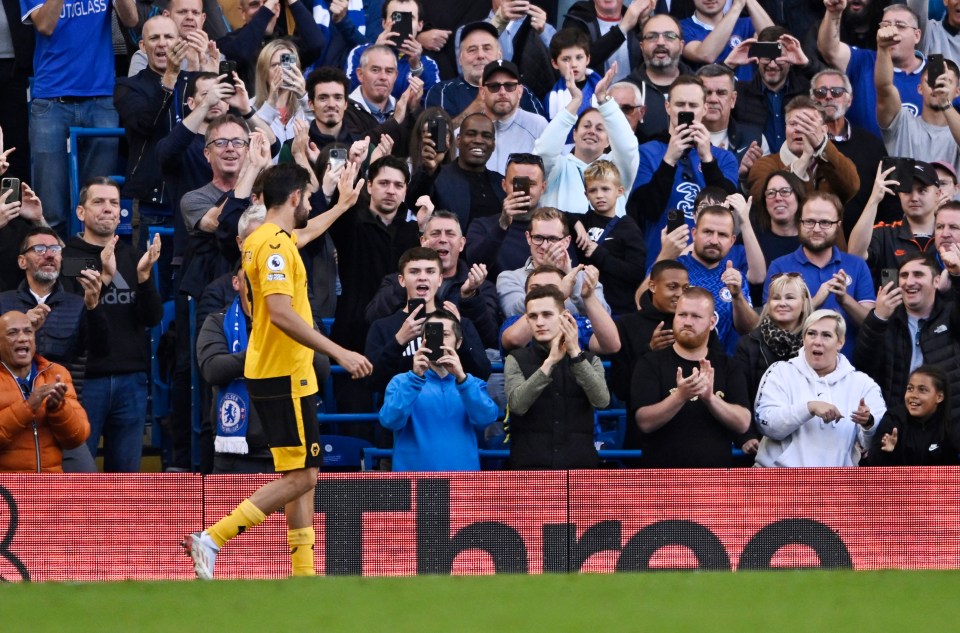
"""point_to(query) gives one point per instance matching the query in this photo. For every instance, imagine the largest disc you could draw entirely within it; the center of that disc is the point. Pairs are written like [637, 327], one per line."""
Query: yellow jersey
[272, 265]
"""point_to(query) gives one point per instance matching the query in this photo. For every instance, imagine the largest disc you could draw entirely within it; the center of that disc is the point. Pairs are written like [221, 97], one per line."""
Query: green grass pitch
[822, 601]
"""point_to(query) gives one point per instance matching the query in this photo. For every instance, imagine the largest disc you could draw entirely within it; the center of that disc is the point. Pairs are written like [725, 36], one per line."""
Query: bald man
[39, 411]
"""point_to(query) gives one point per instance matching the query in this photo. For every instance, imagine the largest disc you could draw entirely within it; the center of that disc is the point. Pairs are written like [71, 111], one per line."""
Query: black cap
[925, 173]
[479, 26]
[501, 65]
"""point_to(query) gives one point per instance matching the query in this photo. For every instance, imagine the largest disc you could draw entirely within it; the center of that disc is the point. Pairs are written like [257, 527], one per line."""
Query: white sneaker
[201, 548]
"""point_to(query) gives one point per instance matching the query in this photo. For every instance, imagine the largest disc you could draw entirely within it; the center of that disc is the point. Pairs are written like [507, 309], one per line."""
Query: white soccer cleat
[201, 548]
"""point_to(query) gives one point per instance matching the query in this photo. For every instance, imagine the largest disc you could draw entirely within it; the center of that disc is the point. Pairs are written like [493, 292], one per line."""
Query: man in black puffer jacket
[912, 325]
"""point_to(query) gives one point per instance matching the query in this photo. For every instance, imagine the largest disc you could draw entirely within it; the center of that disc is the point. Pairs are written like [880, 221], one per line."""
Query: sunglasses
[525, 158]
[495, 86]
[836, 92]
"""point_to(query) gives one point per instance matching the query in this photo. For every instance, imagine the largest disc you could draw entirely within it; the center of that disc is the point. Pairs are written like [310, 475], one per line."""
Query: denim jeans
[49, 129]
[117, 409]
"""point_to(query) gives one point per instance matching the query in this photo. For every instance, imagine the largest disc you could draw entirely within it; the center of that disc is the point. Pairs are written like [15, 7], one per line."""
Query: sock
[301, 543]
[244, 516]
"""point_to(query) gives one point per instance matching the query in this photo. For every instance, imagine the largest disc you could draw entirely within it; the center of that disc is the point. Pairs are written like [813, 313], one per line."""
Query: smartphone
[437, 129]
[935, 68]
[902, 173]
[766, 50]
[684, 118]
[887, 275]
[675, 220]
[433, 339]
[11, 184]
[73, 266]
[338, 157]
[412, 305]
[403, 26]
[228, 67]
[287, 61]
[521, 184]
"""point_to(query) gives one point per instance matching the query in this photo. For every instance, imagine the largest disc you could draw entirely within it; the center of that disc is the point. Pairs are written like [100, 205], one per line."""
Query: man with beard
[888, 245]
[688, 399]
[762, 99]
[837, 280]
[338, 119]
[712, 267]
[115, 384]
[661, 46]
[279, 376]
[466, 186]
[832, 91]
[859, 64]
[461, 96]
[67, 325]
[515, 129]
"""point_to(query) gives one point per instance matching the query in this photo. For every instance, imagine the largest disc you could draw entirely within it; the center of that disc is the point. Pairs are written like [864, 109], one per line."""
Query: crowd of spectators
[749, 212]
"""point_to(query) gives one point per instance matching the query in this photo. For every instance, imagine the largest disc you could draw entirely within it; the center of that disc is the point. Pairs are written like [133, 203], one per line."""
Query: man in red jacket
[39, 411]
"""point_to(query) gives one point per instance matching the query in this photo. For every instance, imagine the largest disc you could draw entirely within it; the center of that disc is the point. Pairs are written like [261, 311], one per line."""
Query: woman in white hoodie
[816, 409]
[593, 131]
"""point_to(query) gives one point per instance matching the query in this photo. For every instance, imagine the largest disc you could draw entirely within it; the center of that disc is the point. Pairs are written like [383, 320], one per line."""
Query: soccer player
[279, 375]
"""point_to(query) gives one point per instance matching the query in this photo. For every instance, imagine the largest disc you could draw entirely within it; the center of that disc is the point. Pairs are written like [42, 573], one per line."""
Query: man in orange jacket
[39, 411]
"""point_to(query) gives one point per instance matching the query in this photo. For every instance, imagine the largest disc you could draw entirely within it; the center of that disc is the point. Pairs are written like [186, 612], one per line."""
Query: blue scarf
[233, 406]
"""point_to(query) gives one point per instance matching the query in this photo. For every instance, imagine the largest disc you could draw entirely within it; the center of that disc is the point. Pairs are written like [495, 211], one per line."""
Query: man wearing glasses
[859, 63]
[661, 46]
[837, 280]
[515, 129]
[549, 240]
[832, 92]
[68, 326]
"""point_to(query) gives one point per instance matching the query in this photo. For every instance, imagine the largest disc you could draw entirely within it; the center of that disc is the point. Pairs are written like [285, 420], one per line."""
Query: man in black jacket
[762, 101]
[913, 325]
[465, 186]
[115, 387]
[394, 339]
[146, 105]
[463, 285]
[651, 327]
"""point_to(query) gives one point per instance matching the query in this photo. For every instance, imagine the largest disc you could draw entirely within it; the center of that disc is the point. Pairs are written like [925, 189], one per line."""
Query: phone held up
[433, 339]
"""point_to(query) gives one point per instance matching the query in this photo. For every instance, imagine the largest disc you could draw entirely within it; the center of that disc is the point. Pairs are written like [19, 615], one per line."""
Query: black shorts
[289, 423]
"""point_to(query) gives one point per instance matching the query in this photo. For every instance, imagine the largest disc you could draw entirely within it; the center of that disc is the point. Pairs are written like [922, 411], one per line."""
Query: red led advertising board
[107, 527]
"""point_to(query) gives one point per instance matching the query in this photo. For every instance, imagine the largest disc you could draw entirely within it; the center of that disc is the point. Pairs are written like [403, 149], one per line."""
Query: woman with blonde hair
[778, 336]
[281, 93]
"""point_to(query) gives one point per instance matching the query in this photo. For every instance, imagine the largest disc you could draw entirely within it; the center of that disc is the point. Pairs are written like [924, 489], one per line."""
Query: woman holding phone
[281, 92]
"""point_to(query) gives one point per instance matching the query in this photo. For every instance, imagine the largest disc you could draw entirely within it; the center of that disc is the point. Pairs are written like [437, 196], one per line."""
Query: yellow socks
[244, 516]
[301, 551]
